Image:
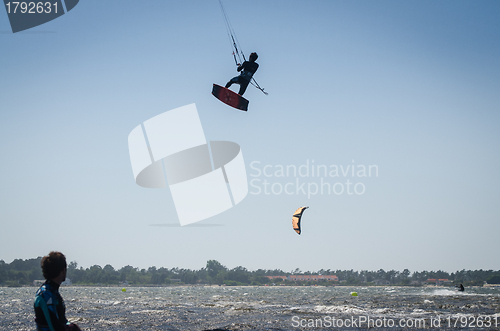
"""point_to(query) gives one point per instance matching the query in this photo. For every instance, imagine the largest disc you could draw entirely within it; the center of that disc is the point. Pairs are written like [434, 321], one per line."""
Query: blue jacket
[48, 298]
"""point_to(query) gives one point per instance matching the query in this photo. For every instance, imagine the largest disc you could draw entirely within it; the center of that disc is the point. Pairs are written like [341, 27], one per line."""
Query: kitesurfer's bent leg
[234, 80]
[243, 86]
[240, 81]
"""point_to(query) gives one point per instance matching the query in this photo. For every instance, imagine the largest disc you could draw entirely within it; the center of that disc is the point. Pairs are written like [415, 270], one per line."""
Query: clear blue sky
[409, 86]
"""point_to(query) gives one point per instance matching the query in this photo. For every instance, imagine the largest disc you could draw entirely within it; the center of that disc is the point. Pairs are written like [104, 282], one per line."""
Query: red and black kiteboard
[230, 98]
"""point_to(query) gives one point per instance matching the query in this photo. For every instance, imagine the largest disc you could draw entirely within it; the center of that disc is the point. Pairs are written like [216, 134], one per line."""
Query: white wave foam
[444, 292]
[419, 312]
[148, 311]
[344, 309]
[103, 321]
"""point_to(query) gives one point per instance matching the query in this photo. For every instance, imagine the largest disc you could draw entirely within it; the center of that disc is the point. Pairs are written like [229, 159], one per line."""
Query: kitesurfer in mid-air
[248, 68]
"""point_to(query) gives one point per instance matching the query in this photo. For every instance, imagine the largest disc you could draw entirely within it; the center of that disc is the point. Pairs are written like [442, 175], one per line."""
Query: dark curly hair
[53, 264]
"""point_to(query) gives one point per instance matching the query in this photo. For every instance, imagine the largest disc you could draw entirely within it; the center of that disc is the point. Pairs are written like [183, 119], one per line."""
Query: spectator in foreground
[50, 311]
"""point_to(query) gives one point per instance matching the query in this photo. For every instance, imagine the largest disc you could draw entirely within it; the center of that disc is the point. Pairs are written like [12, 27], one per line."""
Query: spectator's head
[53, 264]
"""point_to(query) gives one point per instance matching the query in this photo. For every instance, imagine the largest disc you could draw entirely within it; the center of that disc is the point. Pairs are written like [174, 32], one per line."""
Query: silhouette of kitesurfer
[460, 288]
[249, 68]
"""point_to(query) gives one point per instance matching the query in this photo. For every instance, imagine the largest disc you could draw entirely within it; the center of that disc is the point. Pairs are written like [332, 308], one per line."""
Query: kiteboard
[230, 98]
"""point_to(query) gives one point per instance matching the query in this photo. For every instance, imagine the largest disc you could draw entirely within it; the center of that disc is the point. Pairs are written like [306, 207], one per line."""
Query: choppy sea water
[262, 308]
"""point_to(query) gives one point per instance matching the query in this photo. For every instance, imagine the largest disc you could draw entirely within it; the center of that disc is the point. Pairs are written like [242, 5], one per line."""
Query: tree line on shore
[25, 272]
